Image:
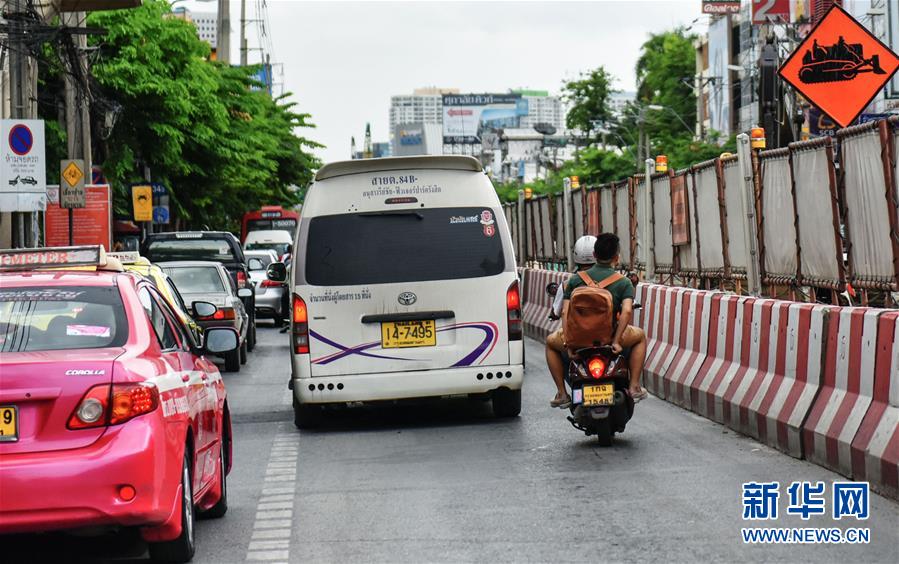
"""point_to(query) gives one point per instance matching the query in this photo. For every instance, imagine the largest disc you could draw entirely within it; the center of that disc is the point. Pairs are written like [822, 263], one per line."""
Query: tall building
[424, 105]
[542, 108]
[618, 101]
[205, 22]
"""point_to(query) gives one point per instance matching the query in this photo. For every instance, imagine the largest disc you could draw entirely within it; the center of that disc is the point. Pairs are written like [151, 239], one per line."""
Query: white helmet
[583, 250]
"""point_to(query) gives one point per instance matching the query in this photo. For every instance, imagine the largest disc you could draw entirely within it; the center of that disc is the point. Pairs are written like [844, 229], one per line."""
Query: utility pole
[243, 33]
[77, 99]
[223, 39]
[21, 93]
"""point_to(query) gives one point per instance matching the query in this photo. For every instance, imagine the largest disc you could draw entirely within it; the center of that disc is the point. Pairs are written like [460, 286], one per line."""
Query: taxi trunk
[39, 394]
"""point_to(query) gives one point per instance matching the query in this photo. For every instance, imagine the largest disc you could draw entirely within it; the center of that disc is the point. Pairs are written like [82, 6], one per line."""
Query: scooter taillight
[597, 367]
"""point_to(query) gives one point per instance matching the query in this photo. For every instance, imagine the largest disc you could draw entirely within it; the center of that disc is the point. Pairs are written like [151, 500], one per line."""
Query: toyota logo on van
[407, 298]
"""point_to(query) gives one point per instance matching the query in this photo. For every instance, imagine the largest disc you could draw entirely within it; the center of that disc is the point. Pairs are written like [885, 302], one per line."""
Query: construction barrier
[875, 449]
[814, 381]
[847, 389]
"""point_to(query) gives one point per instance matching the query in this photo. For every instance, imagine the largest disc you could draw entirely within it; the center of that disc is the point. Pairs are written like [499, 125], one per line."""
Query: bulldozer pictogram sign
[840, 67]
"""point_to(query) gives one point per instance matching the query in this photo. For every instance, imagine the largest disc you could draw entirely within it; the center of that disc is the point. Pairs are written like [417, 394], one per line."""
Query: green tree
[589, 99]
[205, 129]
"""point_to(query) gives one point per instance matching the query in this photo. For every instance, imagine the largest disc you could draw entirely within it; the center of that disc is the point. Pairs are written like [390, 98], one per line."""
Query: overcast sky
[344, 60]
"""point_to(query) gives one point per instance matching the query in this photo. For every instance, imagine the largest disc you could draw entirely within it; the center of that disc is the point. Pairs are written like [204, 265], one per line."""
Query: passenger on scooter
[606, 253]
[555, 343]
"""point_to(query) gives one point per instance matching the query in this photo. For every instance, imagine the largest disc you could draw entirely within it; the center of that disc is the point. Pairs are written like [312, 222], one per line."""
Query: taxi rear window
[61, 318]
[403, 246]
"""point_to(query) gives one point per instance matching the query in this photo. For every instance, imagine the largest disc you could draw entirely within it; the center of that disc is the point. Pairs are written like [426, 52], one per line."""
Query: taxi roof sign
[840, 66]
[128, 257]
[50, 257]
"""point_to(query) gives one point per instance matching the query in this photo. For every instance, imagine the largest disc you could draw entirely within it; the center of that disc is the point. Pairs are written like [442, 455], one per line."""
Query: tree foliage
[589, 99]
[206, 130]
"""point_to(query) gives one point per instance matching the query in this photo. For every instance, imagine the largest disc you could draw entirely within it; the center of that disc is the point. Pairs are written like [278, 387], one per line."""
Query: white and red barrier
[847, 389]
[729, 317]
[875, 448]
[538, 304]
[694, 347]
[663, 316]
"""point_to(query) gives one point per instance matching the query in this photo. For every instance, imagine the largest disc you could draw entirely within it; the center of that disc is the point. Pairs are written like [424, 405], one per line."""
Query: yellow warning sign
[72, 174]
[142, 197]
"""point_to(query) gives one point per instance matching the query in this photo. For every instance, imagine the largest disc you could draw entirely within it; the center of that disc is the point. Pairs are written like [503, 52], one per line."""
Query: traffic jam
[111, 388]
[111, 375]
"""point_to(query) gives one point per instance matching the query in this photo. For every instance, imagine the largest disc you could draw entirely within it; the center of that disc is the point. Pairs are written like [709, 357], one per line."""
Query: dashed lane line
[270, 541]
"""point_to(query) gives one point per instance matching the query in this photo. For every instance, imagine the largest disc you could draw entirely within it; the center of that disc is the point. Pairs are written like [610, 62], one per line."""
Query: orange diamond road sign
[840, 67]
[72, 174]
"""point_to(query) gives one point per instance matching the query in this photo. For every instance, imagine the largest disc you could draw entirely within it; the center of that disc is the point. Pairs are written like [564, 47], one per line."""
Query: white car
[269, 294]
[274, 240]
[404, 286]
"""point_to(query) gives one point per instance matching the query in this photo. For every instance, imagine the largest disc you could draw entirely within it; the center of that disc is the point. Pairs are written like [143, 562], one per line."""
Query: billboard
[467, 116]
[719, 7]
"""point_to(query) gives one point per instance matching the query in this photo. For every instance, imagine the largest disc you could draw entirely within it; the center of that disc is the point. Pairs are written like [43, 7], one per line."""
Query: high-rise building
[618, 101]
[542, 108]
[424, 105]
[205, 22]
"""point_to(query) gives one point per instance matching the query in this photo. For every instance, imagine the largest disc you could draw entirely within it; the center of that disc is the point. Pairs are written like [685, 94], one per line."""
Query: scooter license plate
[603, 394]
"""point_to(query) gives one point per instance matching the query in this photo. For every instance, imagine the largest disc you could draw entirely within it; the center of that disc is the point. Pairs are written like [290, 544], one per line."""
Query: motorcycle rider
[555, 343]
[606, 252]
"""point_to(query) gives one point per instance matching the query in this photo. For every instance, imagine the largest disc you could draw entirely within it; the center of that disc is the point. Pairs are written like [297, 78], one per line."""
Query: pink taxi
[109, 415]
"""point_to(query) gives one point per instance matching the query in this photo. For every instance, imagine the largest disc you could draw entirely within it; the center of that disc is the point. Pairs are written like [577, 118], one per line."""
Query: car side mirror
[217, 340]
[552, 288]
[244, 293]
[203, 309]
[276, 272]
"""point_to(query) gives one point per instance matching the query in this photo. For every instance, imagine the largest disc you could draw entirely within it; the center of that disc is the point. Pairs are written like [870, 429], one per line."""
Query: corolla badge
[407, 298]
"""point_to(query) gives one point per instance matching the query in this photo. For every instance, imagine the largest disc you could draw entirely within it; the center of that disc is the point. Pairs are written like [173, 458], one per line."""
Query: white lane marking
[270, 540]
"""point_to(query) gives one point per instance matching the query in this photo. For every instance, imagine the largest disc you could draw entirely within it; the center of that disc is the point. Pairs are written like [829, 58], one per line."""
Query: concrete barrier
[846, 391]
[694, 347]
[875, 448]
[538, 304]
[663, 316]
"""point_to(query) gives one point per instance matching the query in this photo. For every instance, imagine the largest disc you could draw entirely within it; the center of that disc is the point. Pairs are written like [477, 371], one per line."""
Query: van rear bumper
[405, 385]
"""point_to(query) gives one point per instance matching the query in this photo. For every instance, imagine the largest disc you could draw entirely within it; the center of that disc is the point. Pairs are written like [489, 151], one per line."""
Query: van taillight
[300, 326]
[106, 404]
[513, 311]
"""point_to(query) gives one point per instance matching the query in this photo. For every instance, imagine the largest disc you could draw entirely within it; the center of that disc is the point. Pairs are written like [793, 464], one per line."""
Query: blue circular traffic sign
[20, 139]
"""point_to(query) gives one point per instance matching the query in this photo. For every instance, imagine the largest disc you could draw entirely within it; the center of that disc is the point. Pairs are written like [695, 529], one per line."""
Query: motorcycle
[598, 379]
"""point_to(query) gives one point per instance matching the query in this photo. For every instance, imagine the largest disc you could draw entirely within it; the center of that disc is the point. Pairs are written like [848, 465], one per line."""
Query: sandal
[639, 396]
[562, 403]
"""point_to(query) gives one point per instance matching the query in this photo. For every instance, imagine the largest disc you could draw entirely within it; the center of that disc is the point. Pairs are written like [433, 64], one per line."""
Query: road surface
[449, 483]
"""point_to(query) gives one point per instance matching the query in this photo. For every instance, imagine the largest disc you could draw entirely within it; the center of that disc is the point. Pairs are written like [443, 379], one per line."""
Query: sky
[342, 61]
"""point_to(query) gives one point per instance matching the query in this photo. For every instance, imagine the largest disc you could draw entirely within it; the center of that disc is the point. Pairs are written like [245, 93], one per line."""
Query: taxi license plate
[406, 334]
[604, 394]
[9, 423]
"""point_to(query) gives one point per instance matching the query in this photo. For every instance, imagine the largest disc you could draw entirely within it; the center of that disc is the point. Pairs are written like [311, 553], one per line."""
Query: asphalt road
[448, 483]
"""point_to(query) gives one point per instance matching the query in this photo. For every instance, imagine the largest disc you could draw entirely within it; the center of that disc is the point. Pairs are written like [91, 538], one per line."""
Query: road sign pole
[748, 220]
[646, 228]
[71, 227]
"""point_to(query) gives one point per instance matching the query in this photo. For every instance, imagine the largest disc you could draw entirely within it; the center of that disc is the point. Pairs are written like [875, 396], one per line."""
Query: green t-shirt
[621, 290]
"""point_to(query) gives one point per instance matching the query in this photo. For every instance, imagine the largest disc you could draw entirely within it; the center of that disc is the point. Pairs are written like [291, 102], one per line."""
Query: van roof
[436, 162]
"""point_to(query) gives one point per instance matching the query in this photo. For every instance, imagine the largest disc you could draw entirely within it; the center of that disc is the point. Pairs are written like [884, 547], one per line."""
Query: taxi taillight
[300, 326]
[112, 404]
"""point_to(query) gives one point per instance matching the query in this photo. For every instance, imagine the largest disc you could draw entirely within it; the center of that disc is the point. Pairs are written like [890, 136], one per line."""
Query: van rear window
[403, 246]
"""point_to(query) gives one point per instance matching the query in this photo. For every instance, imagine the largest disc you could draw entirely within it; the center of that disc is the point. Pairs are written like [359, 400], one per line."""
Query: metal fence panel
[642, 219]
[547, 224]
[778, 218]
[661, 224]
[737, 251]
[623, 221]
[607, 211]
[869, 227]
[820, 251]
[688, 262]
[711, 248]
[578, 213]
[558, 231]
[593, 212]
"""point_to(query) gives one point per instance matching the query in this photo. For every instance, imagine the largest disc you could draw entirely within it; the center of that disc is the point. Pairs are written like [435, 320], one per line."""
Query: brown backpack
[591, 314]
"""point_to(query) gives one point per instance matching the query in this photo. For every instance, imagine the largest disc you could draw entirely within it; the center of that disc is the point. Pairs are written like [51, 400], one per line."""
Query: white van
[404, 286]
[268, 240]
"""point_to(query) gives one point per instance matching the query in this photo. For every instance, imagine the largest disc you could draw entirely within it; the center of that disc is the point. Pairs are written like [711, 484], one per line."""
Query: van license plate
[406, 334]
[604, 394]
[9, 423]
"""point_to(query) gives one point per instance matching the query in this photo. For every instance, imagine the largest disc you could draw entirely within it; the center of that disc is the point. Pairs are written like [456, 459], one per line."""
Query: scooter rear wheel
[604, 433]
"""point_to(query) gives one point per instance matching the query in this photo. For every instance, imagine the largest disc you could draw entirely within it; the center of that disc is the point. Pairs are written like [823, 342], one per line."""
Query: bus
[269, 217]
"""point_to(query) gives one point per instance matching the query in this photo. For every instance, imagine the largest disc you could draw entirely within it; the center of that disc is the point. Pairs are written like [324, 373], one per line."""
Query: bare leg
[556, 369]
[635, 363]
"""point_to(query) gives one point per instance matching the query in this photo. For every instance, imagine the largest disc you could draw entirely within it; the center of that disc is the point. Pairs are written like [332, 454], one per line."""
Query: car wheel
[232, 361]
[251, 335]
[218, 510]
[243, 353]
[506, 402]
[304, 416]
[182, 548]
